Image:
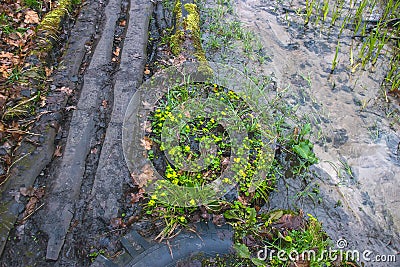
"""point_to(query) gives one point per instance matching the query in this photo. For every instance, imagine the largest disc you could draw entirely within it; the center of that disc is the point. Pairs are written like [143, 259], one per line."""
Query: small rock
[3, 170]
[3, 151]
[340, 137]
[26, 93]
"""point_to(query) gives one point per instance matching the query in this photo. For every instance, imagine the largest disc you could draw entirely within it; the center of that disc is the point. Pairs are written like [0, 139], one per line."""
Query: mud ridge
[83, 222]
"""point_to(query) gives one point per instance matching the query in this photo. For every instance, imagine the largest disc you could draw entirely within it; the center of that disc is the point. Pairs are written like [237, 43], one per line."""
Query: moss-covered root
[187, 38]
[48, 28]
[176, 39]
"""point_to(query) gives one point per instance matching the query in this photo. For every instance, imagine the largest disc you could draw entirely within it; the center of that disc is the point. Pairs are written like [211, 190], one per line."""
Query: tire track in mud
[94, 133]
[112, 172]
[83, 230]
[92, 225]
[73, 217]
[65, 191]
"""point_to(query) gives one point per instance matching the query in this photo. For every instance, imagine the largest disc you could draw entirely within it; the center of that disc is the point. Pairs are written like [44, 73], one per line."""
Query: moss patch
[192, 24]
[187, 28]
[176, 39]
[51, 23]
[7, 220]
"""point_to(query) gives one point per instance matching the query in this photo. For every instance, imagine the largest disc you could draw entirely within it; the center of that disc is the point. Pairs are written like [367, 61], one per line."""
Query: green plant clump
[208, 132]
[279, 239]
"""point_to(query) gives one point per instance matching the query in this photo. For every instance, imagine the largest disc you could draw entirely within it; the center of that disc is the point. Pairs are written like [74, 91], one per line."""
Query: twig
[30, 214]
[11, 131]
[112, 231]
[194, 231]
[170, 249]
[174, 235]
[9, 168]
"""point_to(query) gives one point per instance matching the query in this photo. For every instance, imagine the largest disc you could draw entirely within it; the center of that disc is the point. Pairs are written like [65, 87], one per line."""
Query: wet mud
[353, 190]
[362, 141]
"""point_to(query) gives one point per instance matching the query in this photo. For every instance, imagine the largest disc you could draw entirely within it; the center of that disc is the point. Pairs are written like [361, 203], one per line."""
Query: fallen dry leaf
[17, 43]
[30, 207]
[147, 105]
[116, 52]
[136, 197]
[31, 17]
[14, 36]
[48, 71]
[104, 103]
[5, 73]
[122, 23]
[147, 71]
[291, 222]
[57, 152]
[243, 200]
[27, 191]
[65, 90]
[8, 58]
[146, 142]
[69, 108]
[3, 100]
[147, 127]
[146, 175]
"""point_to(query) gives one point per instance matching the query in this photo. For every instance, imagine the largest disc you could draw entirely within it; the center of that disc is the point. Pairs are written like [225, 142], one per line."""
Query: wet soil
[29, 240]
[90, 185]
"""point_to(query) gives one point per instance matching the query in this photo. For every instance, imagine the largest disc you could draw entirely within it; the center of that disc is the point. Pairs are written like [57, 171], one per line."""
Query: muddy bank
[358, 145]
